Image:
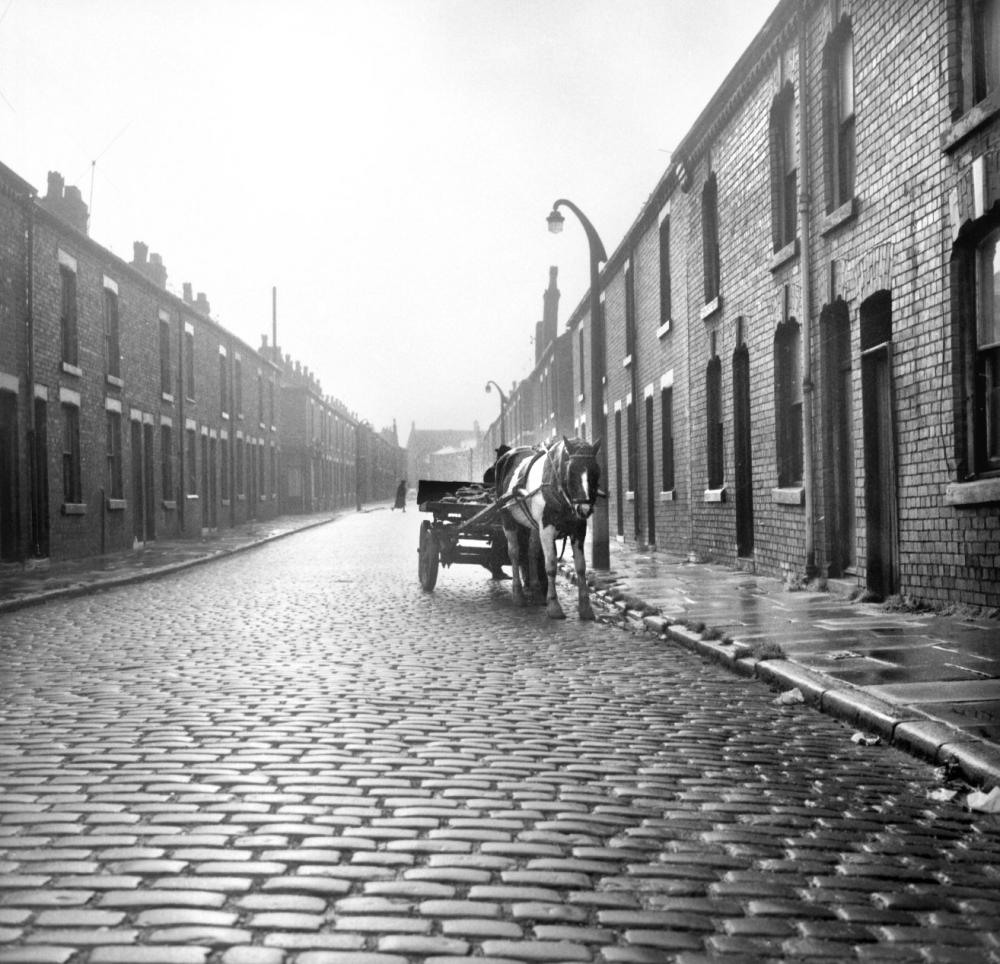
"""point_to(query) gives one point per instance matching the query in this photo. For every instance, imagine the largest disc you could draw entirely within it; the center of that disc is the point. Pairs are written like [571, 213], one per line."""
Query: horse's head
[580, 474]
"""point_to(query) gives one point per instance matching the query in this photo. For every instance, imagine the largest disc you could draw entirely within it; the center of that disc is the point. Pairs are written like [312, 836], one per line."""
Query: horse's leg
[513, 550]
[552, 607]
[582, 589]
[533, 552]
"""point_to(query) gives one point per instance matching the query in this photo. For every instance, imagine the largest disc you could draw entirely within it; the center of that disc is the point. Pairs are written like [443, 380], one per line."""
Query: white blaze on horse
[550, 491]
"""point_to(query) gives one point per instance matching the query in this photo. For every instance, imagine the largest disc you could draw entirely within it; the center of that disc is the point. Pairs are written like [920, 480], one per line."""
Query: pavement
[927, 683]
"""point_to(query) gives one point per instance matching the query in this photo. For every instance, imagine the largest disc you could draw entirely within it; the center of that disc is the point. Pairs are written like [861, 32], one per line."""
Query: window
[274, 471]
[112, 342]
[667, 438]
[710, 237]
[224, 468]
[665, 294]
[979, 337]
[713, 407]
[223, 384]
[113, 449]
[72, 484]
[629, 309]
[68, 317]
[838, 104]
[784, 179]
[260, 400]
[167, 461]
[191, 468]
[240, 467]
[165, 386]
[270, 401]
[238, 385]
[788, 403]
[189, 363]
[985, 37]
[583, 374]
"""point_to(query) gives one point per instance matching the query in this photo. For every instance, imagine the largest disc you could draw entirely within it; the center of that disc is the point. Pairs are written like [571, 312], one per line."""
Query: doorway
[743, 455]
[650, 480]
[881, 520]
[838, 401]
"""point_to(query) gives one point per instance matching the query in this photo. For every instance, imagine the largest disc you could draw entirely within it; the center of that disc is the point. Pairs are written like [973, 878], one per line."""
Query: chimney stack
[187, 292]
[65, 203]
[201, 304]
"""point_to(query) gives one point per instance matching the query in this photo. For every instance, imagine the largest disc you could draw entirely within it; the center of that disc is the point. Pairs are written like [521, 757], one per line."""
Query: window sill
[74, 508]
[225, 503]
[117, 505]
[789, 495]
[838, 217]
[170, 505]
[782, 256]
[115, 380]
[72, 369]
[663, 329]
[191, 498]
[714, 495]
[978, 492]
[580, 397]
[224, 416]
[167, 397]
[668, 496]
[630, 496]
[241, 498]
[627, 361]
[970, 121]
[711, 308]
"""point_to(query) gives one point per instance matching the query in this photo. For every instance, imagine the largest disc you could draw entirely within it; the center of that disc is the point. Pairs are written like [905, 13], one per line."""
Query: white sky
[387, 164]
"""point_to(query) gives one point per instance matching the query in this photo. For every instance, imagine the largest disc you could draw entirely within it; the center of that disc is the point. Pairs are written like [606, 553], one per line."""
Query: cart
[464, 528]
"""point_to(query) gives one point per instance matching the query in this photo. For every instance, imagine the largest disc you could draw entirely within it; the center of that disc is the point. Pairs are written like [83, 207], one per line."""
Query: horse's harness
[555, 494]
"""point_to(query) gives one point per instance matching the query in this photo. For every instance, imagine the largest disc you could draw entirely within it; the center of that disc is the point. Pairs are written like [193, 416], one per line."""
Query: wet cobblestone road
[294, 756]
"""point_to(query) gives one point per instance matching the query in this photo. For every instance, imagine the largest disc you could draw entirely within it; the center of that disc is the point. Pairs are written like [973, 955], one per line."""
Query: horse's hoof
[587, 614]
[554, 611]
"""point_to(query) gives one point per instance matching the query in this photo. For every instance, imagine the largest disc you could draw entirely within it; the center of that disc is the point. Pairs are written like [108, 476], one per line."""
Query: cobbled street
[295, 755]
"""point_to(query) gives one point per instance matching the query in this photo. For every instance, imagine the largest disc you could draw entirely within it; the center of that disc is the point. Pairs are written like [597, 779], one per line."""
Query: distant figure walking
[400, 496]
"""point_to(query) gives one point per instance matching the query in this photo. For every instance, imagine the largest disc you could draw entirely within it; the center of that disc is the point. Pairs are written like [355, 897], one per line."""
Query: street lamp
[600, 551]
[503, 409]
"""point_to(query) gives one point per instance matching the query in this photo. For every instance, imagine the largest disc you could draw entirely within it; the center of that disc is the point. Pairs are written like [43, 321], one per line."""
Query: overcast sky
[387, 164]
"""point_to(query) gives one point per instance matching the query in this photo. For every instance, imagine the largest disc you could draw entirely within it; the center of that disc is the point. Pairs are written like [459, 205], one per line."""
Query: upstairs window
[223, 384]
[112, 341]
[629, 309]
[838, 110]
[986, 360]
[188, 362]
[165, 386]
[68, 317]
[784, 173]
[788, 403]
[238, 386]
[985, 39]
[710, 237]
[667, 438]
[666, 306]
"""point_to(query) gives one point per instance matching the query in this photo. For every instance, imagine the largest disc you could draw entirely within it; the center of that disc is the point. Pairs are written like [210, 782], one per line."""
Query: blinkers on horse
[550, 491]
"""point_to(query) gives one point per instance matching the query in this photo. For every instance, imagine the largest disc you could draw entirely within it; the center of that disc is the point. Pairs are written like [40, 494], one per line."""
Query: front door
[743, 455]
[835, 331]
[881, 522]
[650, 479]
[138, 488]
[8, 476]
[149, 497]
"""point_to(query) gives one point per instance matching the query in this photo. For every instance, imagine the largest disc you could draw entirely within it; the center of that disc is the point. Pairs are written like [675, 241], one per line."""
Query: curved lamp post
[503, 409]
[600, 551]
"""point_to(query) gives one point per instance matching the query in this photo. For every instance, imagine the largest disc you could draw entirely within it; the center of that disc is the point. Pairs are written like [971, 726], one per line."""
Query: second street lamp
[600, 548]
[503, 409]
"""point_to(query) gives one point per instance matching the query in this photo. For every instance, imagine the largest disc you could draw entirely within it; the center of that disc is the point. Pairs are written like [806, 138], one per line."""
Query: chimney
[139, 252]
[550, 310]
[65, 203]
[156, 271]
[187, 292]
[201, 304]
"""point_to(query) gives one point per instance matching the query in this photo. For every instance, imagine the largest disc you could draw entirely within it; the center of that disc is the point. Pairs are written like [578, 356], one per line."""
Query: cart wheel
[427, 557]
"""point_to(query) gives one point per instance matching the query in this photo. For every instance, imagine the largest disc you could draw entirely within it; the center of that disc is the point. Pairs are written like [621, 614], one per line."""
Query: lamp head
[488, 389]
[555, 221]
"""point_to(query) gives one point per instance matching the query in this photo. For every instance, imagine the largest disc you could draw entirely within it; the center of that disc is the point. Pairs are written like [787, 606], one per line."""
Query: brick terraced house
[802, 325]
[128, 414]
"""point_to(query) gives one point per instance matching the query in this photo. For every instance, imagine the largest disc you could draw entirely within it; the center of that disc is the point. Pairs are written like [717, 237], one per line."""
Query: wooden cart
[464, 528]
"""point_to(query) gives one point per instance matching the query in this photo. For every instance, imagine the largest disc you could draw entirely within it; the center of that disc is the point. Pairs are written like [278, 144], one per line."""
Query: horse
[549, 490]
